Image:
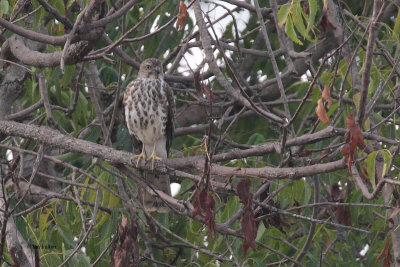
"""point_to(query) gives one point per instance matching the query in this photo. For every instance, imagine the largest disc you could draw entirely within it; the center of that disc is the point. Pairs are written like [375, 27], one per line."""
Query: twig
[33, 175]
[205, 39]
[84, 238]
[69, 38]
[45, 100]
[301, 217]
[311, 232]
[134, 27]
[231, 251]
[64, 20]
[372, 33]
[273, 60]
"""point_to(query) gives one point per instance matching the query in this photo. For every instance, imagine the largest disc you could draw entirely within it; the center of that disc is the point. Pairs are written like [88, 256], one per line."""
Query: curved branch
[104, 21]
[32, 35]
[75, 53]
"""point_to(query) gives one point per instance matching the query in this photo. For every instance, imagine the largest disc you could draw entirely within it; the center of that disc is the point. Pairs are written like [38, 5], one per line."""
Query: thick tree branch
[50, 137]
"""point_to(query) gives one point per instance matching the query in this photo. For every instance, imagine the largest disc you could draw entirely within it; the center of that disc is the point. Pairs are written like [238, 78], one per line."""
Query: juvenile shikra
[149, 105]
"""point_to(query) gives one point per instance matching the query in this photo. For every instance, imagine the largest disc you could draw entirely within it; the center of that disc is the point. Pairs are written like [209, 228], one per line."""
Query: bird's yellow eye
[147, 67]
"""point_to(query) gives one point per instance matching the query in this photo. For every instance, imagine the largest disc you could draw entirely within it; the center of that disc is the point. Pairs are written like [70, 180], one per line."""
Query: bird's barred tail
[157, 181]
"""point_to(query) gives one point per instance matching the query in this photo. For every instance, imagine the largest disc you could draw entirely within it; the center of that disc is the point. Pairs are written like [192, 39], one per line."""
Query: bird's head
[151, 68]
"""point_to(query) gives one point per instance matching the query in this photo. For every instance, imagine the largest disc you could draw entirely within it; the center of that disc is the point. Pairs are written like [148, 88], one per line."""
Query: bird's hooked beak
[155, 73]
[157, 70]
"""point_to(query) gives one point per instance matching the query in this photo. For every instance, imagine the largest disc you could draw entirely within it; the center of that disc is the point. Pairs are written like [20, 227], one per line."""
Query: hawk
[149, 113]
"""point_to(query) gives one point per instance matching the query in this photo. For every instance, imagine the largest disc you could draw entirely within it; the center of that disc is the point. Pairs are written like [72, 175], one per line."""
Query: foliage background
[65, 202]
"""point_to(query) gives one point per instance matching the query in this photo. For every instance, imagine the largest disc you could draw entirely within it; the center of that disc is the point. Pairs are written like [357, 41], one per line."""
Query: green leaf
[299, 22]
[70, 2]
[3, 7]
[59, 5]
[289, 29]
[326, 78]
[67, 77]
[371, 164]
[44, 223]
[313, 6]
[396, 27]
[371, 167]
[108, 75]
[307, 193]
[255, 139]
[283, 14]
[387, 157]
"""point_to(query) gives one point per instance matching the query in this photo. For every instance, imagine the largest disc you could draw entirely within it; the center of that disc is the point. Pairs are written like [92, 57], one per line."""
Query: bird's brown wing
[170, 125]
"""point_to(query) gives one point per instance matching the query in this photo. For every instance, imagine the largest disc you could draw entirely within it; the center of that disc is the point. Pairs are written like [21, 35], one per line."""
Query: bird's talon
[153, 157]
[139, 157]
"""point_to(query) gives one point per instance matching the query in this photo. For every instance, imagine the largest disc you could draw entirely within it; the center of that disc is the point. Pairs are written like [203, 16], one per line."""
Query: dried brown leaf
[305, 153]
[335, 192]
[328, 241]
[127, 253]
[353, 139]
[385, 255]
[249, 228]
[321, 112]
[204, 202]
[202, 90]
[197, 83]
[243, 190]
[323, 23]
[197, 206]
[343, 215]
[248, 222]
[181, 15]
[326, 94]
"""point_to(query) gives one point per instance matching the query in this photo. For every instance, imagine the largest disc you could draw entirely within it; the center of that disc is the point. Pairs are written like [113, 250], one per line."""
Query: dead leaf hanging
[204, 202]
[385, 255]
[321, 112]
[181, 15]
[353, 139]
[326, 94]
[248, 222]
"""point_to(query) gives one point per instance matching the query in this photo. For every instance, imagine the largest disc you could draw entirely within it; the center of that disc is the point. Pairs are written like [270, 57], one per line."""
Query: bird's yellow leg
[153, 157]
[139, 157]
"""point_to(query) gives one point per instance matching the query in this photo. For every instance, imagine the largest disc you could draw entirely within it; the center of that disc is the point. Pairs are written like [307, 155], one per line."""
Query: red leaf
[305, 153]
[197, 83]
[204, 202]
[197, 205]
[353, 138]
[343, 215]
[243, 190]
[249, 228]
[210, 215]
[342, 212]
[181, 15]
[324, 23]
[385, 255]
[202, 90]
[127, 253]
[354, 128]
